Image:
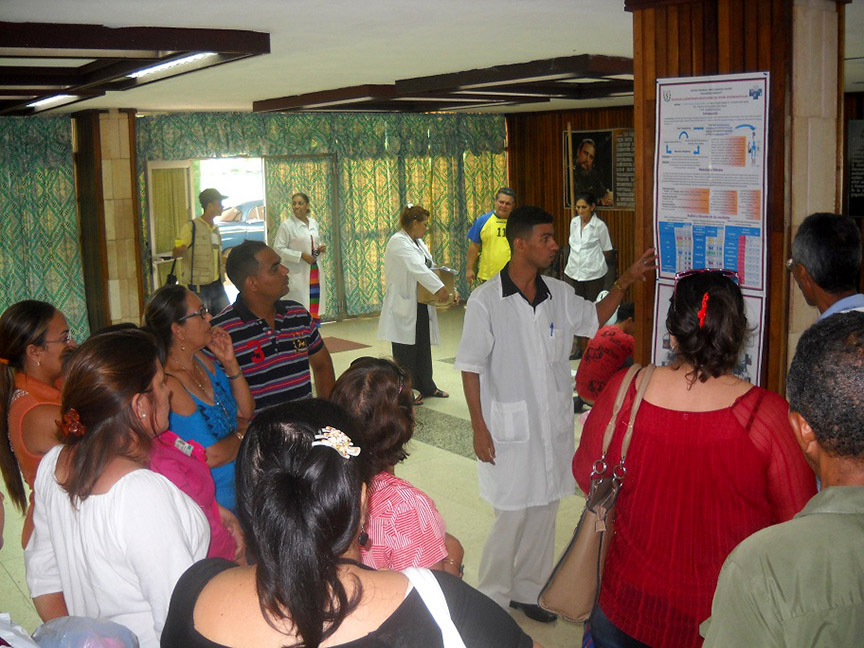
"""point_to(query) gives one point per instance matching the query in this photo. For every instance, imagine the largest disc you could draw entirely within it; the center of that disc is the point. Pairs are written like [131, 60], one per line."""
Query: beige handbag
[573, 589]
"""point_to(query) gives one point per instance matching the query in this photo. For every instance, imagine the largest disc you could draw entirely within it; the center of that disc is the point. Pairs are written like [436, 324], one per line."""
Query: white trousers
[519, 554]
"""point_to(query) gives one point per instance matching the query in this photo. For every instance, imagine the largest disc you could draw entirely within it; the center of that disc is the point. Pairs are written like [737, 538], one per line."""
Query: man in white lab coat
[513, 355]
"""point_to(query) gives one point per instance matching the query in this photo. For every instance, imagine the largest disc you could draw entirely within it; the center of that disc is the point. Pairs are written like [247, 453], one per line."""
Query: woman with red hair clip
[712, 460]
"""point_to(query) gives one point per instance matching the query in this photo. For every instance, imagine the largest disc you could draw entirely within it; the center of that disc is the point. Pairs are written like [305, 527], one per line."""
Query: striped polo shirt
[275, 363]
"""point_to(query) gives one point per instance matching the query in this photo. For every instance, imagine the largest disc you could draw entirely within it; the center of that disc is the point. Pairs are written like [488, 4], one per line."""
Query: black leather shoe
[534, 612]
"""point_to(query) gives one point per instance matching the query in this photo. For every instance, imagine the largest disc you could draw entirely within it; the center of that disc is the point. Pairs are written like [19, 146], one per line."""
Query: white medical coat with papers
[404, 267]
[526, 390]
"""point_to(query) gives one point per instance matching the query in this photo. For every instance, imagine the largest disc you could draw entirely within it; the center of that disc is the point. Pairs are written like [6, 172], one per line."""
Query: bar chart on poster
[710, 189]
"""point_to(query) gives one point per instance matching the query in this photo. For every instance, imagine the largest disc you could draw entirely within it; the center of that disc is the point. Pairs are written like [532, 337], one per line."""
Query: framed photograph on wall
[602, 165]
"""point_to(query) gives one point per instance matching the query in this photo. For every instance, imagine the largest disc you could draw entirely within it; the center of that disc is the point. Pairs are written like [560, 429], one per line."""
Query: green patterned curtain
[451, 164]
[40, 255]
[369, 209]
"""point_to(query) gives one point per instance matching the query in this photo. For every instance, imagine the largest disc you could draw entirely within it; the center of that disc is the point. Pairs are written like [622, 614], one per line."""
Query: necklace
[217, 401]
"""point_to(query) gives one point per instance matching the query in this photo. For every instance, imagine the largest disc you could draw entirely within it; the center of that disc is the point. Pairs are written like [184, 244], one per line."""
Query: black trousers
[416, 358]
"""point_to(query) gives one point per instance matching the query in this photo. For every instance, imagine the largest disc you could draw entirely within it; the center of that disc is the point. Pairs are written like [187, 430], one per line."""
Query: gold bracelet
[618, 285]
[238, 435]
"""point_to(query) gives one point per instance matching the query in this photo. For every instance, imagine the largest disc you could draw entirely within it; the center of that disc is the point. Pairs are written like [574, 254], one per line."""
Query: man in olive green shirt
[801, 583]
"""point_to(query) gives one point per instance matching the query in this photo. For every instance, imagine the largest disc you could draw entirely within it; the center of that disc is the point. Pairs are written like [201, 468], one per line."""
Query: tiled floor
[447, 475]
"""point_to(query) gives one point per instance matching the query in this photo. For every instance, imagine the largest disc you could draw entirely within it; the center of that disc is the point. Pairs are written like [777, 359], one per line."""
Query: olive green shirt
[800, 583]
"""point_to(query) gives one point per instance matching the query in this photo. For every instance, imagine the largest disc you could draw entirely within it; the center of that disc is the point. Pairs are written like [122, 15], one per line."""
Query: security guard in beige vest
[200, 245]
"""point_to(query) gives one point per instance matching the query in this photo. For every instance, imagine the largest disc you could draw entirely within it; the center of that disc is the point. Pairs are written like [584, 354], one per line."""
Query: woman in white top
[111, 538]
[298, 242]
[590, 248]
[411, 327]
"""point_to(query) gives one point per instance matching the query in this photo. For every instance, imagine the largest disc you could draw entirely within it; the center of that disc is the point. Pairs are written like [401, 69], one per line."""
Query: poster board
[710, 192]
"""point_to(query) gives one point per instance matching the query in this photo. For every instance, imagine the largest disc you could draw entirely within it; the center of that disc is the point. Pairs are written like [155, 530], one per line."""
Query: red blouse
[697, 484]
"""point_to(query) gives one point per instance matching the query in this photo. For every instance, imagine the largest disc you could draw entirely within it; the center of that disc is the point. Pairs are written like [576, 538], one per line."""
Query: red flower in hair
[703, 311]
[72, 425]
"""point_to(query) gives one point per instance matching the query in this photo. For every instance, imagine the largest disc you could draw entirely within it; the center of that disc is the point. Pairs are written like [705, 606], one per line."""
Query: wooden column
[680, 38]
[109, 216]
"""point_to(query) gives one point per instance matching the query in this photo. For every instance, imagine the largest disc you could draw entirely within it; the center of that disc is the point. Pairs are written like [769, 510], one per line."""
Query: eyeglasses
[729, 274]
[67, 338]
[201, 312]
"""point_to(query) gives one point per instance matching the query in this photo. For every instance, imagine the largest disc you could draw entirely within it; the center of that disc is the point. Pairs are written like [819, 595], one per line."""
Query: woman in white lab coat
[298, 242]
[410, 326]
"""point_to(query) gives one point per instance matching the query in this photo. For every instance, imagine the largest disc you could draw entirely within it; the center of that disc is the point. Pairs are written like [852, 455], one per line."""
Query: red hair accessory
[72, 425]
[703, 310]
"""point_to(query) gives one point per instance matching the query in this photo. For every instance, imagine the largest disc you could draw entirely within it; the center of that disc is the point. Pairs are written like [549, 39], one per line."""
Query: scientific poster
[710, 181]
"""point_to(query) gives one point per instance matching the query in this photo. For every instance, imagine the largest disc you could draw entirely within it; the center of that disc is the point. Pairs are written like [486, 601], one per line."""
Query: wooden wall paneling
[778, 217]
[536, 168]
[672, 41]
[685, 41]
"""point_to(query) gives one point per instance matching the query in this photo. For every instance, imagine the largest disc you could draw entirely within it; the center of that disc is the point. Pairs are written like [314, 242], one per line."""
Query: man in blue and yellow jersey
[487, 239]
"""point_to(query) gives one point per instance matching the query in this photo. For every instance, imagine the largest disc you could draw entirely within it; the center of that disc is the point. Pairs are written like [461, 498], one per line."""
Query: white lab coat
[526, 391]
[405, 267]
[293, 238]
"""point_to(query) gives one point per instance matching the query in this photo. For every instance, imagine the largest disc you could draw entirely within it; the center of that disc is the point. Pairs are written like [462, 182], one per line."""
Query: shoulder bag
[573, 589]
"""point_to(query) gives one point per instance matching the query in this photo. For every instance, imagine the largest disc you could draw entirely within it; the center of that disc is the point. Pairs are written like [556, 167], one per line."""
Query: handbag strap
[619, 401]
[430, 592]
[640, 393]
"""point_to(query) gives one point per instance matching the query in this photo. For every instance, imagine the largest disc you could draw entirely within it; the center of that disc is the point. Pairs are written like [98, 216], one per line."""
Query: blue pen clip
[551, 329]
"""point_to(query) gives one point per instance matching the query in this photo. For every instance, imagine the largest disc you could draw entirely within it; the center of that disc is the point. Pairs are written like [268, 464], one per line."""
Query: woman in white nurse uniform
[411, 327]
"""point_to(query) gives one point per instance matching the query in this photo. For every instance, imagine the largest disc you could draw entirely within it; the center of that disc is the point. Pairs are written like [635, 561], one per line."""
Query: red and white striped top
[404, 527]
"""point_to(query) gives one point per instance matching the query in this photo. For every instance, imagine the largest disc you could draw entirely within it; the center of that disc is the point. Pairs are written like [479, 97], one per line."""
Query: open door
[171, 205]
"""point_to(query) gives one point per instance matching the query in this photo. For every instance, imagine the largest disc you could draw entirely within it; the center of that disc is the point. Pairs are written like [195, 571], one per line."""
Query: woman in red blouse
[712, 460]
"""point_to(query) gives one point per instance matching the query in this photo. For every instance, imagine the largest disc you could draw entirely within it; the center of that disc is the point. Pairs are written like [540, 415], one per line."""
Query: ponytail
[299, 507]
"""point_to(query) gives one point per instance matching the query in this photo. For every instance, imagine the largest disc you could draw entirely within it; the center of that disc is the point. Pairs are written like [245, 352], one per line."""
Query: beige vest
[201, 259]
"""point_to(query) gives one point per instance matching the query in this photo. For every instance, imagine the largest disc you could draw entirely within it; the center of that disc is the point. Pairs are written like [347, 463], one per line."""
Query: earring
[182, 347]
[363, 538]
[143, 416]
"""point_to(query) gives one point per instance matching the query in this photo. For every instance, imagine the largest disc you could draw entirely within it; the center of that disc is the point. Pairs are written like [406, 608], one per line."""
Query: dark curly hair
[377, 392]
[713, 348]
[826, 383]
[300, 509]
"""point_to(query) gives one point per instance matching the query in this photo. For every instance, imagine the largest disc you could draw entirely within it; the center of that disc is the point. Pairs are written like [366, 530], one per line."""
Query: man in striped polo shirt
[275, 341]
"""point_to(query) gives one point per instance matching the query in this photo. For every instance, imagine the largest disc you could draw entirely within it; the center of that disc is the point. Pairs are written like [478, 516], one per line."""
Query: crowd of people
[184, 483]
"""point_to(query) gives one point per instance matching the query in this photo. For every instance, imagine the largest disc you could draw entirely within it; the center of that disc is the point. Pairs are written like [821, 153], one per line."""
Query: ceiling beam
[121, 54]
[68, 36]
[568, 67]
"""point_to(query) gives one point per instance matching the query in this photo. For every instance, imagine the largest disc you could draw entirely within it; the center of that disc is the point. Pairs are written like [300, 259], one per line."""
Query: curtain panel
[450, 164]
[40, 254]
